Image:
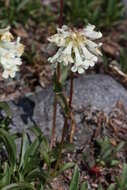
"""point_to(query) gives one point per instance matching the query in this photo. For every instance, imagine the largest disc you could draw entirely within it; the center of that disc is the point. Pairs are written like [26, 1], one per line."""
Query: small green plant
[5, 118]
[18, 11]
[75, 181]
[112, 12]
[25, 171]
[123, 60]
[84, 186]
[120, 183]
[122, 180]
[107, 153]
[100, 12]
[30, 167]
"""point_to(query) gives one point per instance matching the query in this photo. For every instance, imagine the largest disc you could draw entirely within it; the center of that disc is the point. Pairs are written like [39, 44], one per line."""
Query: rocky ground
[98, 92]
[99, 106]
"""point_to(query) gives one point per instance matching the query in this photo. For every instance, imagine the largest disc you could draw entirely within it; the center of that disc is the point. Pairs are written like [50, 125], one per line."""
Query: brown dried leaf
[60, 188]
[111, 48]
[21, 32]
[7, 2]
[113, 142]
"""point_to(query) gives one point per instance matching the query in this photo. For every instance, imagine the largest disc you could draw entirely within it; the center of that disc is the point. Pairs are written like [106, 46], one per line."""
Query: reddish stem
[61, 13]
[54, 123]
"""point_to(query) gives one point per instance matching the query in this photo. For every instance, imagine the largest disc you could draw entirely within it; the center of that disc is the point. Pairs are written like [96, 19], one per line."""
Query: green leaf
[64, 74]
[6, 176]
[10, 145]
[31, 155]
[68, 146]
[111, 187]
[84, 186]
[37, 131]
[114, 162]
[41, 188]
[110, 7]
[124, 177]
[107, 154]
[19, 186]
[4, 106]
[22, 4]
[64, 104]
[24, 147]
[44, 150]
[57, 86]
[75, 179]
[119, 146]
[65, 167]
[100, 187]
[33, 174]
[123, 58]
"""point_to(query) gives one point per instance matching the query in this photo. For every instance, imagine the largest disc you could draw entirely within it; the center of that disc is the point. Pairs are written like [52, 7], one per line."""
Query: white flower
[76, 47]
[88, 55]
[66, 55]
[8, 61]
[93, 47]
[79, 69]
[56, 56]
[5, 35]
[15, 48]
[10, 72]
[90, 33]
[57, 40]
[78, 58]
[10, 53]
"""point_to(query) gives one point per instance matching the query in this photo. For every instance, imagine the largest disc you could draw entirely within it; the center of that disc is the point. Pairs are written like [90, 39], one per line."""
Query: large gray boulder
[99, 91]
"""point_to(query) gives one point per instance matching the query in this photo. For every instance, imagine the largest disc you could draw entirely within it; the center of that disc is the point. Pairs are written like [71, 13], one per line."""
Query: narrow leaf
[75, 179]
[19, 186]
[24, 147]
[10, 145]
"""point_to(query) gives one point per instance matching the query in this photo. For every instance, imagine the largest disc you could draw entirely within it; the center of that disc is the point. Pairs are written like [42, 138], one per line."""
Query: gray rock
[100, 91]
[125, 6]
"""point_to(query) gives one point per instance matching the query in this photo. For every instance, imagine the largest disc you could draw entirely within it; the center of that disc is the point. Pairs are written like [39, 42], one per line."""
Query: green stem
[54, 123]
[71, 91]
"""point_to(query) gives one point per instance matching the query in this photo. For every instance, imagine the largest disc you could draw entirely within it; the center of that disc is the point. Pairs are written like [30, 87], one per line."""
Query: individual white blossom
[10, 71]
[66, 55]
[76, 48]
[10, 53]
[5, 35]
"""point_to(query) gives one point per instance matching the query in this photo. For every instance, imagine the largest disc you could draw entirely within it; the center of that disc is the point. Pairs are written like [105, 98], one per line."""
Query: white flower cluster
[76, 47]
[10, 53]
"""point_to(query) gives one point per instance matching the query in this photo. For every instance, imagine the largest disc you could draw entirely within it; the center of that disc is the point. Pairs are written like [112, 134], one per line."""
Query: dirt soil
[114, 126]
